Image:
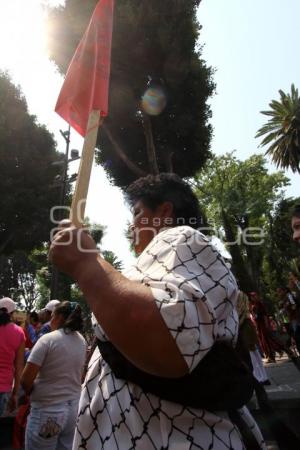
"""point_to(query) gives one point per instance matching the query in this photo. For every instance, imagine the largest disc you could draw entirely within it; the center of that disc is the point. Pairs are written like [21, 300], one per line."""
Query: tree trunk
[150, 145]
[280, 276]
[168, 158]
[238, 264]
[254, 260]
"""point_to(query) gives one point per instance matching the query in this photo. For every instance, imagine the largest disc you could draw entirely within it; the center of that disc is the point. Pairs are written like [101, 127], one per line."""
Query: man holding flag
[163, 315]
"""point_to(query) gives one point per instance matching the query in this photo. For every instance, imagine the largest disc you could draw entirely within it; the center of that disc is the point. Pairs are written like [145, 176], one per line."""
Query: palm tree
[282, 131]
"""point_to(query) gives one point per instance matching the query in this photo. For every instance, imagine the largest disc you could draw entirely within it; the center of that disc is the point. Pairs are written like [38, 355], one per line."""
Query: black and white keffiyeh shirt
[196, 295]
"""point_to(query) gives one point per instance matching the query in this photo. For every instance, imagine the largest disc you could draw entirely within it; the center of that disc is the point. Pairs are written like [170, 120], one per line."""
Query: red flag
[86, 85]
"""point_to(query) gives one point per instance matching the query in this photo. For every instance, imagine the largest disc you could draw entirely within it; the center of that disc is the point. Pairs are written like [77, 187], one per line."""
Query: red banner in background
[86, 86]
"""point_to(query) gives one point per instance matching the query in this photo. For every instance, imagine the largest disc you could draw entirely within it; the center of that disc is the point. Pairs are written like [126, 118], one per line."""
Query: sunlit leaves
[282, 131]
[241, 188]
[236, 196]
[27, 150]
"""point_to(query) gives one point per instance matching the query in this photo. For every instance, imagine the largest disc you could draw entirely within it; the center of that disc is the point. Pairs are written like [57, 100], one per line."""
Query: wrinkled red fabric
[86, 86]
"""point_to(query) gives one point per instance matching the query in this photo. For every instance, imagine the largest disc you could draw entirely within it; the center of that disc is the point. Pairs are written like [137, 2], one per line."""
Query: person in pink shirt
[12, 345]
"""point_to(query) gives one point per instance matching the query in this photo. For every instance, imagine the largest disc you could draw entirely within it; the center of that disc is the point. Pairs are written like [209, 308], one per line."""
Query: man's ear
[166, 210]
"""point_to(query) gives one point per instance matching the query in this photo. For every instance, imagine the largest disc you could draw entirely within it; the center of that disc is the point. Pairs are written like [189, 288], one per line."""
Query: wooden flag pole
[85, 169]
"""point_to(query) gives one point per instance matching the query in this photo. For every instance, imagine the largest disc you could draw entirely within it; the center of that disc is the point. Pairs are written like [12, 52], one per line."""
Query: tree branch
[150, 144]
[120, 152]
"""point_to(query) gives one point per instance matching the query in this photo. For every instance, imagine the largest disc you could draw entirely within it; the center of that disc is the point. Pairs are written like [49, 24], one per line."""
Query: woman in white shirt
[52, 377]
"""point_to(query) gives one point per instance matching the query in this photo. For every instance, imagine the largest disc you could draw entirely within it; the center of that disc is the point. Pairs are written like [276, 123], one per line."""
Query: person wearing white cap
[12, 345]
[47, 311]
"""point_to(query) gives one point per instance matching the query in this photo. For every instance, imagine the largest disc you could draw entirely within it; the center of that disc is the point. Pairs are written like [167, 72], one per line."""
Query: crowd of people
[266, 336]
[43, 361]
[277, 334]
[156, 325]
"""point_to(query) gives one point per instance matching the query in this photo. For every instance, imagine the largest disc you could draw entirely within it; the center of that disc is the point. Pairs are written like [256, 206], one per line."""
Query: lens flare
[154, 101]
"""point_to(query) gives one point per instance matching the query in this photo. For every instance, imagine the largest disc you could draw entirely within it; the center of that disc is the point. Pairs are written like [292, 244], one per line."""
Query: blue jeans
[51, 427]
[4, 396]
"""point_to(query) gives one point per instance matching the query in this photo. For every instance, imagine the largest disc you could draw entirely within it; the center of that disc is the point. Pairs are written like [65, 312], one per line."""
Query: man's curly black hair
[153, 190]
[296, 211]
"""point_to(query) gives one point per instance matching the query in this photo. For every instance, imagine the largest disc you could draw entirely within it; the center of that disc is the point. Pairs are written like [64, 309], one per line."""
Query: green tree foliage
[110, 257]
[151, 38]
[282, 131]
[237, 196]
[280, 249]
[27, 150]
[25, 291]
[17, 279]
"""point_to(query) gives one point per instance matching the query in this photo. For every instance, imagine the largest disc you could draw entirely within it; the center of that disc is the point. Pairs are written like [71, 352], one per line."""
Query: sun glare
[22, 39]
[23, 54]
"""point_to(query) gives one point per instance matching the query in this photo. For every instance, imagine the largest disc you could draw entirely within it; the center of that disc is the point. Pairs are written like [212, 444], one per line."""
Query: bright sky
[253, 44]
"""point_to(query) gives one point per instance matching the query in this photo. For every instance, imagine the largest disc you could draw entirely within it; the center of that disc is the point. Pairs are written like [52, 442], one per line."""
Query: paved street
[284, 394]
[285, 378]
